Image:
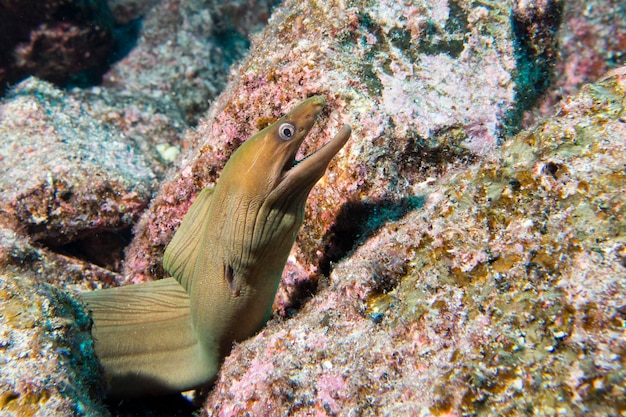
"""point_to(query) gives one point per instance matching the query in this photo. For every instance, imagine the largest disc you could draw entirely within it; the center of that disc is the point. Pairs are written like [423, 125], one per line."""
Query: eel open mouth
[308, 170]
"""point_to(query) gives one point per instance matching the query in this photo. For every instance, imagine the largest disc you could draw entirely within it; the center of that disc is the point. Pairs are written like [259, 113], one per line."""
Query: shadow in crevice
[164, 405]
[359, 220]
[535, 33]
[355, 223]
[104, 249]
[161, 406]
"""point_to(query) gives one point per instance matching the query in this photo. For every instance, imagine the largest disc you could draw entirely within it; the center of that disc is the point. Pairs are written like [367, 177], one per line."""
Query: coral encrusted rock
[65, 174]
[48, 365]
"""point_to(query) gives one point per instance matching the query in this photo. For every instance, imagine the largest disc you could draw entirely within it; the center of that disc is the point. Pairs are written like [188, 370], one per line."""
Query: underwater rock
[47, 362]
[53, 40]
[503, 293]
[184, 50]
[66, 176]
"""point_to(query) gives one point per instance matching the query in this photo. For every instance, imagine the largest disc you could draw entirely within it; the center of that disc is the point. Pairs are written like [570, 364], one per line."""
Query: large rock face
[184, 49]
[43, 190]
[67, 179]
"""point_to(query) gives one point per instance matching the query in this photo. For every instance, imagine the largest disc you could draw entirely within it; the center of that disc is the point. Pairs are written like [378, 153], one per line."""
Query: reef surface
[465, 254]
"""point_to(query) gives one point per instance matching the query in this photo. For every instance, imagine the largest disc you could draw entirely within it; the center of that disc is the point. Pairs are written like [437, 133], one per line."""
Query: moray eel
[225, 262]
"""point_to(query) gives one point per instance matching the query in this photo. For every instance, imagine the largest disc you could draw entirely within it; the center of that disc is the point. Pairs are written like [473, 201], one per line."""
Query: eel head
[266, 164]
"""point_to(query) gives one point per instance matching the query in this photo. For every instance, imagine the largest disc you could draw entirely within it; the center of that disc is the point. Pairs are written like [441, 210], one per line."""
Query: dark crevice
[356, 222]
[359, 220]
[159, 406]
[301, 292]
[536, 52]
[125, 38]
[58, 42]
[105, 248]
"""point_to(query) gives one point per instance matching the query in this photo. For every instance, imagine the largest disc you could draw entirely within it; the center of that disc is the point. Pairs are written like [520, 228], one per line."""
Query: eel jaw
[303, 174]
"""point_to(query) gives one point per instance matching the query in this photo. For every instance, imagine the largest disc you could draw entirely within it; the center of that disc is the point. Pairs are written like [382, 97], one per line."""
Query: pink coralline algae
[510, 299]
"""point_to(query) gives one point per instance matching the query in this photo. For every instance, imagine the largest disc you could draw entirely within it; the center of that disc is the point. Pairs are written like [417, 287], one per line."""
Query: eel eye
[287, 131]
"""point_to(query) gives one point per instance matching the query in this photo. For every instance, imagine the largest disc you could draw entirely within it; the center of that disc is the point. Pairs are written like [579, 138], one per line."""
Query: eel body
[226, 261]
